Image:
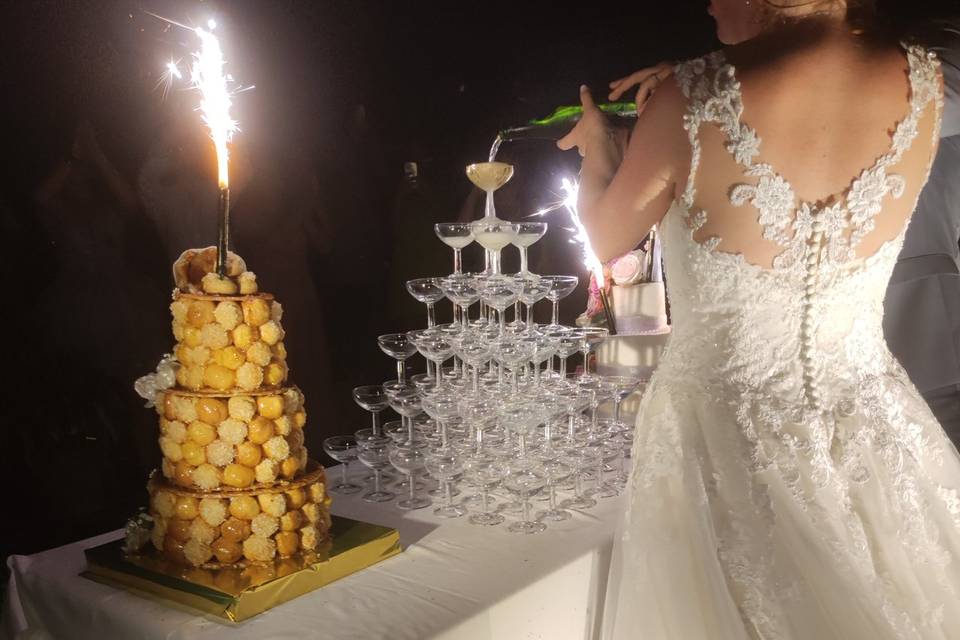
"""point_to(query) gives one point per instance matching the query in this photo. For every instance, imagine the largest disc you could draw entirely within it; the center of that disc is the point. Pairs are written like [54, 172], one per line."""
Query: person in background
[922, 308]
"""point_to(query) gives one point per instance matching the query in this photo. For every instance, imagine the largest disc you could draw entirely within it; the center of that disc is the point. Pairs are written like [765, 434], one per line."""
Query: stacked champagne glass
[494, 430]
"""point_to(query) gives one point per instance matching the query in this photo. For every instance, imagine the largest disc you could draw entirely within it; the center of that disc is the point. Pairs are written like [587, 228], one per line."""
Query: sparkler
[571, 191]
[207, 77]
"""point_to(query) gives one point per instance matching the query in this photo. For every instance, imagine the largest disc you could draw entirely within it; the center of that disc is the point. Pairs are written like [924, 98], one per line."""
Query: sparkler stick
[207, 76]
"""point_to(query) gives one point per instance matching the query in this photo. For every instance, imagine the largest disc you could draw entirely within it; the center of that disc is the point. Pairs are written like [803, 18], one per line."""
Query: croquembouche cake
[235, 485]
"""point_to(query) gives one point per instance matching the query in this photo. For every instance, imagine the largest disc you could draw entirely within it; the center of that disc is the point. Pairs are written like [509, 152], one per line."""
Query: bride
[790, 482]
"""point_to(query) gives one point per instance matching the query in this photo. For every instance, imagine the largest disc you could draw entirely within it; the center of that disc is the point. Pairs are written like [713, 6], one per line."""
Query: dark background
[106, 181]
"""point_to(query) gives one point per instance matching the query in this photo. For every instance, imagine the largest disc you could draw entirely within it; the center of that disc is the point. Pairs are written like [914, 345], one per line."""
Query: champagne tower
[236, 486]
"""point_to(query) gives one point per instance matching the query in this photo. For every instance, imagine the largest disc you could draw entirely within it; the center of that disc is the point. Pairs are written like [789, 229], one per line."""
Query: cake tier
[213, 529]
[228, 343]
[231, 441]
[640, 308]
[631, 355]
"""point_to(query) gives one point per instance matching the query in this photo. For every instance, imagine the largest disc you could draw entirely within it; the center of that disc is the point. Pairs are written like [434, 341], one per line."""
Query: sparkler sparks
[571, 190]
[207, 76]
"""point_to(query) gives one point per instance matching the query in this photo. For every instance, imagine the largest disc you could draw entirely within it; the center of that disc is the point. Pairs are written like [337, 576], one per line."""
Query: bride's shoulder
[690, 73]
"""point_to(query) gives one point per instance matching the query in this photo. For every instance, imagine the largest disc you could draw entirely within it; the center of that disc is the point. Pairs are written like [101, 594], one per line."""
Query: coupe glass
[512, 353]
[442, 407]
[532, 292]
[375, 454]
[569, 341]
[408, 405]
[374, 399]
[623, 387]
[399, 347]
[455, 235]
[589, 338]
[525, 478]
[445, 464]
[493, 235]
[581, 459]
[409, 460]
[474, 349]
[557, 472]
[560, 288]
[343, 449]
[527, 234]
[427, 291]
[462, 292]
[486, 472]
[434, 346]
[500, 293]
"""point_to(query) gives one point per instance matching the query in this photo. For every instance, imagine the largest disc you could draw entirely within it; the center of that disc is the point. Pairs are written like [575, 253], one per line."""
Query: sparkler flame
[207, 75]
[571, 190]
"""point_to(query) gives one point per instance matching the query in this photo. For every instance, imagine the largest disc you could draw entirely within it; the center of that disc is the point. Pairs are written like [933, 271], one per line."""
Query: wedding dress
[789, 481]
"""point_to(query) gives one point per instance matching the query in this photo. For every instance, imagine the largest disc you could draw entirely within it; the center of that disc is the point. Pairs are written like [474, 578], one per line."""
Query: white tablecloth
[453, 581]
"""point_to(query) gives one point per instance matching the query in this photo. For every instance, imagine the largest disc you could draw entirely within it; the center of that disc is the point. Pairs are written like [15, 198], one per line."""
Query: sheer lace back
[830, 229]
[806, 326]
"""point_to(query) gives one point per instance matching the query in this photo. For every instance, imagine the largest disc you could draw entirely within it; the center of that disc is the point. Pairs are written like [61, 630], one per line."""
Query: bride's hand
[593, 130]
[645, 80]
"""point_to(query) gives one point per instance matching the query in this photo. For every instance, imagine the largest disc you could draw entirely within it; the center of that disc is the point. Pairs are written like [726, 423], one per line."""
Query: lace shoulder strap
[713, 95]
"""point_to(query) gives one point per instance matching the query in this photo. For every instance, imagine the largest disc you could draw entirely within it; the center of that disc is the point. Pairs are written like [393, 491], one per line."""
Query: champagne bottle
[558, 124]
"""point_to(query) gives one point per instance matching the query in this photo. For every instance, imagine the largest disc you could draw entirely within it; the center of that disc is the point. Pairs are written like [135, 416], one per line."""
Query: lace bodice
[808, 330]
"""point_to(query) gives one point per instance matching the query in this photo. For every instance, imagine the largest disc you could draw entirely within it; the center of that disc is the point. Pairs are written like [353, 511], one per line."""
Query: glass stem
[431, 316]
[553, 496]
[572, 427]
[536, 374]
[479, 440]
[443, 433]
[401, 376]
[563, 368]
[556, 312]
[447, 494]
[439, 367]
[484, 501]
[523, 446]
[517, 316]
[343, 473]
[501, 314]
[375, 423]
[616, 409]
[457, 264]
[376, 480]
[475, 369]
[409, 428]
[410, 479]
[523, 259]
[526, 506]
[578, 484]
[430, 373]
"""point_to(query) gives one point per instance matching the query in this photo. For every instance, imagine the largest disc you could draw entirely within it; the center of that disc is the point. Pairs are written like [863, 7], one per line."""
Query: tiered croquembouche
[235, 486]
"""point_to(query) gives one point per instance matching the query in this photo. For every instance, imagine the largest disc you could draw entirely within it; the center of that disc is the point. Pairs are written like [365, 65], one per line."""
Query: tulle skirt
[750, 520]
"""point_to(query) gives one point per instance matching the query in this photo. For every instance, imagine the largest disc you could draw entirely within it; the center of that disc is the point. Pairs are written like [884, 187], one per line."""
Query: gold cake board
[238, 594]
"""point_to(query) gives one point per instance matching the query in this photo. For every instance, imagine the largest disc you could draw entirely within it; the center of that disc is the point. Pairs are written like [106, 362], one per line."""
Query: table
[454, 580]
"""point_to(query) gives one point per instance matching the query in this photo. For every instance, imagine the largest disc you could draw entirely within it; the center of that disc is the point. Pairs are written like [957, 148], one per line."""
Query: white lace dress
[790, 482]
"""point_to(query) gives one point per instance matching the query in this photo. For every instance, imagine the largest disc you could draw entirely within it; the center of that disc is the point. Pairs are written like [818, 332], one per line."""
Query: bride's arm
[625, 191]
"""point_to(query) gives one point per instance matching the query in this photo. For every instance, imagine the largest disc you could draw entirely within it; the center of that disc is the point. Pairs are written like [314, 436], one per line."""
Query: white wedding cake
[639, 306]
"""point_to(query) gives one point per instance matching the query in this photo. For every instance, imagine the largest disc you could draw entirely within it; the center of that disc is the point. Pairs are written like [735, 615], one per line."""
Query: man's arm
[943, 38]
